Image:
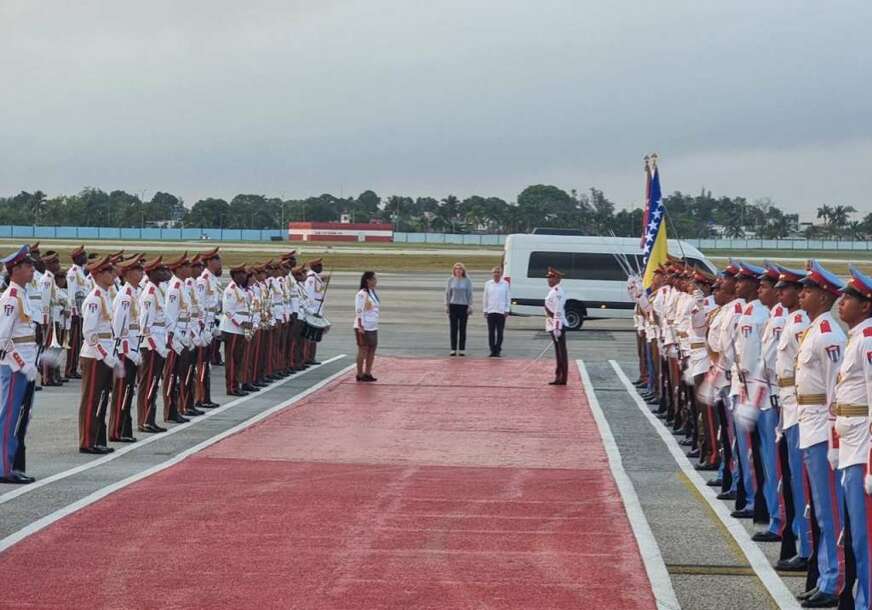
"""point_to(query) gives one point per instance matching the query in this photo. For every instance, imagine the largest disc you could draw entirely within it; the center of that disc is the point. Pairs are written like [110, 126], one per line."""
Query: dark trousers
[202, 372]
[149, 378]
[496, 322]
[457, 316]
[72, 365]
[120, 419]
[234, 361]
[96, 386]
[561, 372]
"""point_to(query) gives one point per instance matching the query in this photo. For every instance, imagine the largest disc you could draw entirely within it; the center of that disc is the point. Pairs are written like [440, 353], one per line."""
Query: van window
[579, 265]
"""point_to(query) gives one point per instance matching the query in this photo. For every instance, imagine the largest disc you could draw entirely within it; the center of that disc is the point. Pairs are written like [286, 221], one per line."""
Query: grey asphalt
[706, 567]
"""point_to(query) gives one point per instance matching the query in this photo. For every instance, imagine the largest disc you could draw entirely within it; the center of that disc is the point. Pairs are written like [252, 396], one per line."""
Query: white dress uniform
[817, 365]
[152, 319]
[853, 396]
[796, 323]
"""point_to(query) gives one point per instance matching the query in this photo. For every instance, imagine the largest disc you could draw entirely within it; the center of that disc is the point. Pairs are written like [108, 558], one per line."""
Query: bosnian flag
[655, 251]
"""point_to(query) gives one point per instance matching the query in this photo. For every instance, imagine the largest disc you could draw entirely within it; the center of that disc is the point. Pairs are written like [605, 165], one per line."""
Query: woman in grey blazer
[458, 306]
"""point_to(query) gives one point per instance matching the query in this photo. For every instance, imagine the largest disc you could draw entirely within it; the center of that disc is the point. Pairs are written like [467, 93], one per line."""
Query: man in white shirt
[496, 303]
[555, 325]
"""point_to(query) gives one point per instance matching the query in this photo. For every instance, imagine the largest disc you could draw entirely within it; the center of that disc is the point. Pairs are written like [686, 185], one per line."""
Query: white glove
[135, 358]
[833, 457]
[867, 483]
[110, 360]
[29, 371]
[163, 352]
[556, 332]
[746, 417]
[177, 345]
[216, 331]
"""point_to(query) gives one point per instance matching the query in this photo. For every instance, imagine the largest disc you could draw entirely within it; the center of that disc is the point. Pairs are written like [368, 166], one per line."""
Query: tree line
[591, 212]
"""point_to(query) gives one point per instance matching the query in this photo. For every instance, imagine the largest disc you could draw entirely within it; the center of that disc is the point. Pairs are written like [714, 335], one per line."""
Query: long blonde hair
[461, 266]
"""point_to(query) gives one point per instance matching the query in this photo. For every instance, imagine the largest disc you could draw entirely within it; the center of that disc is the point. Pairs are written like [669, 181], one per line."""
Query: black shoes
[727, 495]
[96, 450]
[794, 564]
[151, 429]
[557, 382]
[366, 378]
[250, 388]
[123, 439]
[766, 536]
[693, 454]
[715, 483]
[745, 513]
[17, 478]
[237, 393]
[179, 419]
[706, 467]
[821, 600]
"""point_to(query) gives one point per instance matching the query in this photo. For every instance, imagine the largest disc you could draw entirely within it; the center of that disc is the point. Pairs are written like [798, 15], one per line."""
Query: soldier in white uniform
[209, 292]
[315, 291]
[795, 324]
[154, 350]
[853, 395]
[555, 325]
[17, 366]
[178, 364]
[818, 359]
[126, 328]
[78, 287]
[99, 358]
[235, 326]
[53, 322]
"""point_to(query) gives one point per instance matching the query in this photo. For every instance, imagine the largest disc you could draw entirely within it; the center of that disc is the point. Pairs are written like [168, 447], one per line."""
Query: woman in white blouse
[366, 306]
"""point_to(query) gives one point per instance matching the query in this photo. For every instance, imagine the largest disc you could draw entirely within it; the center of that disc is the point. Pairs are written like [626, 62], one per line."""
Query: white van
[593, 279]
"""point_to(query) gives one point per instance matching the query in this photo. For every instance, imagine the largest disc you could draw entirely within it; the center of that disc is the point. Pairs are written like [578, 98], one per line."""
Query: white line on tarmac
[658, 576]
[20, 491]
[781, 595]
[69, 509]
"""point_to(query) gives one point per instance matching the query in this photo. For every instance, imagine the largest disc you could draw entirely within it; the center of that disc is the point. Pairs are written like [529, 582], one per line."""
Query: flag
[647, 210]
[655, 251]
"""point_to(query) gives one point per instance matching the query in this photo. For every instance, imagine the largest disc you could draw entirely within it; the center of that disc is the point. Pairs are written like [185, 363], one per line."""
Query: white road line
[781, 595]
[658, 576]
[40, 524]
[24, 489]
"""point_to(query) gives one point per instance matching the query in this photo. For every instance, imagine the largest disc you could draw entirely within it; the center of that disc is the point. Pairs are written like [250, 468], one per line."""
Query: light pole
[141, 211]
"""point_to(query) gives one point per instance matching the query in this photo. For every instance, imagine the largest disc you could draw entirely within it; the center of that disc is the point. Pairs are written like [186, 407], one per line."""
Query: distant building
[339, 231]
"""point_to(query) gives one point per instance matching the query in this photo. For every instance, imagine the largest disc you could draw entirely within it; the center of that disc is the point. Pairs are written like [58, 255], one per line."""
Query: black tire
[574, 316]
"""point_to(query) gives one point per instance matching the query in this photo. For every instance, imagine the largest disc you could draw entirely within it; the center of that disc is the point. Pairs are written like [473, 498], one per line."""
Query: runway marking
[69, 509]
[658, 576]
[20, 491]
[779, 592]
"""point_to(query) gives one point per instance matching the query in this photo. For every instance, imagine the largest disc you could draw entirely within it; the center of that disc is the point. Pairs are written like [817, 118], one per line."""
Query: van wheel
[574, 316]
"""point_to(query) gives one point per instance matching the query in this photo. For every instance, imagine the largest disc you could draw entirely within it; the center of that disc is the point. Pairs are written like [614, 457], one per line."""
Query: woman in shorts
[366, 305]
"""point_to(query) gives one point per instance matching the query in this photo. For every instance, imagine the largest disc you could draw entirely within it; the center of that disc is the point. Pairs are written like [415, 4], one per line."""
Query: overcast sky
[298, 97]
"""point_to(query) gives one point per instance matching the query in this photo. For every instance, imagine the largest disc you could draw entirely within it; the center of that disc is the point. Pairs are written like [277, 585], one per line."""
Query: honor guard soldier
[126, 328]
[818, 360]
[315, 289]
[99, 358]
[178, 364]
[300, 306]
[17, 366]
[53, 322]
[152, 324]
[795, 324]
[853, 395]
[78, 287]
[235, 328]
[555, 323]
[196, 330]
[209, 293]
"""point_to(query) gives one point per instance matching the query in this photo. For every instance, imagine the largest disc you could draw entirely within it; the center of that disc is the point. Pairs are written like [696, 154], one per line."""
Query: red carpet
[461, 484]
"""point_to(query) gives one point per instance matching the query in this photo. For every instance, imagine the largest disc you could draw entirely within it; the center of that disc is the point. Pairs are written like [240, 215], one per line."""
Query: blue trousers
[766, 424]
[12, 387]
[743, 449]
[859, 507]
[801, 526]
[826, 494]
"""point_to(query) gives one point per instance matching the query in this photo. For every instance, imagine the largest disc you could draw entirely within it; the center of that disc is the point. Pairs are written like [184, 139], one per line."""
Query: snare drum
[315, 327]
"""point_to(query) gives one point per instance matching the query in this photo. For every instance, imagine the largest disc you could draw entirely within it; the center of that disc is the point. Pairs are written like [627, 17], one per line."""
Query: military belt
[811, 399]
[699, 345]
[786, 382]
[846, 410]
[104, 335]
[134, 326]
[24, 339]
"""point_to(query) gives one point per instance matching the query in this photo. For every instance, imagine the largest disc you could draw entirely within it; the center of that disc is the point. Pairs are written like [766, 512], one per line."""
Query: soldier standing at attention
[555, 322]
[125, 327]
[853, 395]
[817, 364]
[209, 289]
[99, 358]
[178, 360]
[315, 288]
[152, 324]
[77, 288]
[17, 361]
[235, 325]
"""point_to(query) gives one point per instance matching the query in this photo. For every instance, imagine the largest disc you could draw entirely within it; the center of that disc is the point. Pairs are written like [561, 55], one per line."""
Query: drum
[315, 327]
